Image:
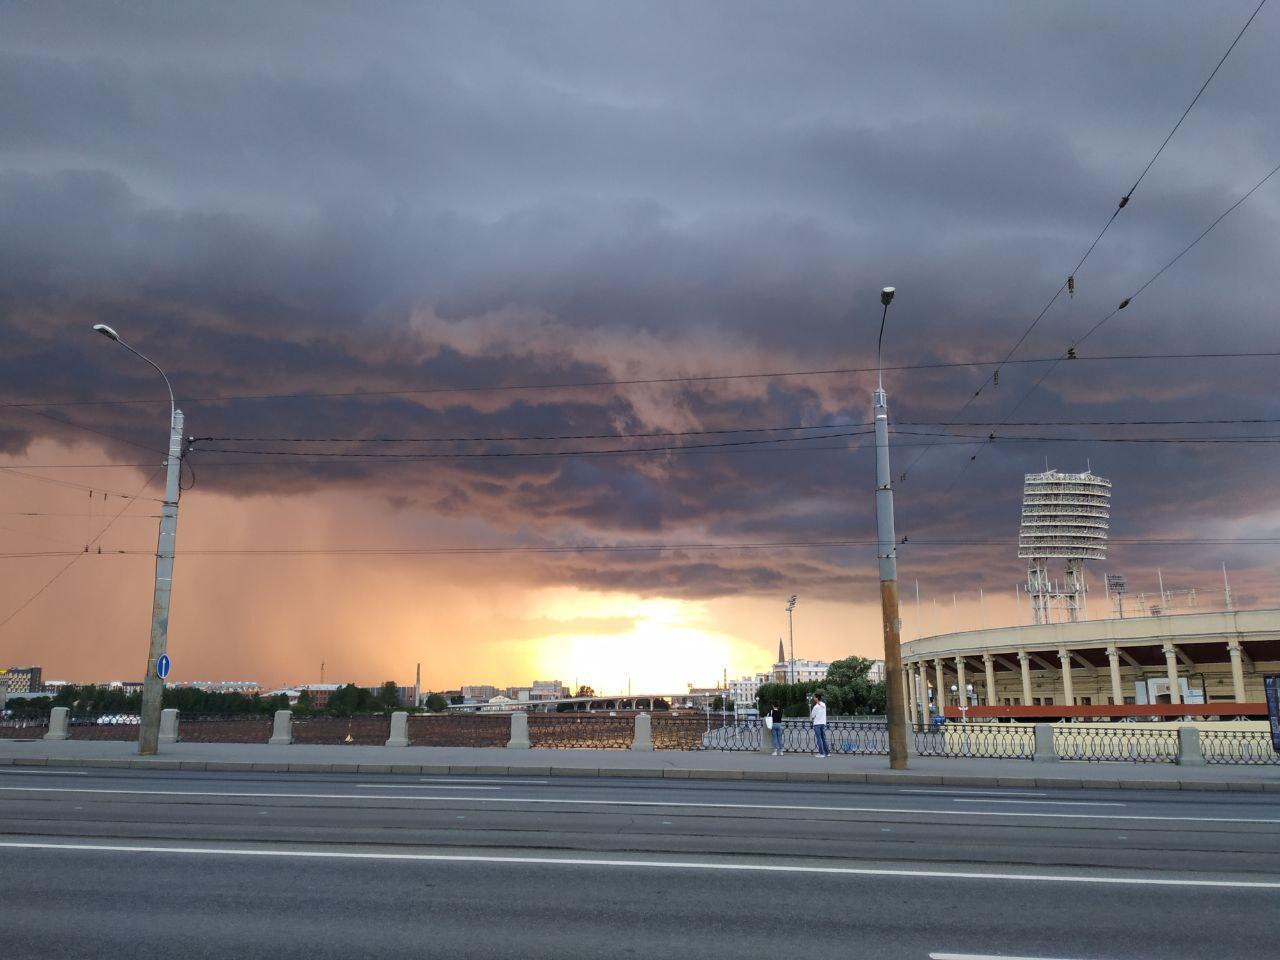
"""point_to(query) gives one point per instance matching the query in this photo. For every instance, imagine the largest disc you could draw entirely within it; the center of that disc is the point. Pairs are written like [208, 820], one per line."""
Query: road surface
[182, 864]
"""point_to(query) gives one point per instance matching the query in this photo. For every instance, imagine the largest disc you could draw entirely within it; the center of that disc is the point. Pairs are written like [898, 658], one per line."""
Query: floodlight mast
[1064, 516]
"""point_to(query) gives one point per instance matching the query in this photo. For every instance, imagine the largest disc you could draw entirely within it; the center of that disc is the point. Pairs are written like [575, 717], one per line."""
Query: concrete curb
[670, 773]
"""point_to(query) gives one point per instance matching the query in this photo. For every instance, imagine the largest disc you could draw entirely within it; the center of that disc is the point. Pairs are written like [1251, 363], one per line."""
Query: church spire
[782, 655]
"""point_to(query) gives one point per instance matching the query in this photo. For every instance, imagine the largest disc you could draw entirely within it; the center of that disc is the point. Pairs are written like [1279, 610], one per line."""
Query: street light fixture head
[886, 295]
[106, 331]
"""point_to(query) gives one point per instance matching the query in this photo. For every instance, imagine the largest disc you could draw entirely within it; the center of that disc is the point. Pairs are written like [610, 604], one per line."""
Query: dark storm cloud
[300, 198]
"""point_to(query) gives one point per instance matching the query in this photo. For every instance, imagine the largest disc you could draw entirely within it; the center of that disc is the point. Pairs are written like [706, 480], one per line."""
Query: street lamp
[887, 554]
[153, 683]
[791, 635]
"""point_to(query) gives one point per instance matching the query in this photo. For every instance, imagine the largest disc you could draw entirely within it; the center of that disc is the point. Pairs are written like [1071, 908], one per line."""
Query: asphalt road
[165, 864]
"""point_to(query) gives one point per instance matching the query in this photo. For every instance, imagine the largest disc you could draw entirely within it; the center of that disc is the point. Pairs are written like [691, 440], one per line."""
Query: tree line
[847, 691]
[346, 701]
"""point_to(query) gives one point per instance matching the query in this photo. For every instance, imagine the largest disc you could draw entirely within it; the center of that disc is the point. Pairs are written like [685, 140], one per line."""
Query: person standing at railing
[818, 716]
[775, 727]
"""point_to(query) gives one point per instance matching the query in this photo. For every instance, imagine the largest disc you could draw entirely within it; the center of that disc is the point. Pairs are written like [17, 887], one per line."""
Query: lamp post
[791, 635]
[887, 554]
[153, 684]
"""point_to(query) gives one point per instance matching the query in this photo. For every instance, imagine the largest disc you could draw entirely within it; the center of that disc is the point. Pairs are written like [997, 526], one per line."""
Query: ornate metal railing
[371, 731]
[23, 728]
[201, 728]
[714, 732]
[104, 726]
[1238, 746]
[1004, 741]
[844, 736]
[1134, 745]
[590, 732]
[459, 730]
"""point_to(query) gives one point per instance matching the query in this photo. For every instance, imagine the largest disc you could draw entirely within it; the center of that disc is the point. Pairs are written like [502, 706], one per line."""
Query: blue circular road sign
[162, 666]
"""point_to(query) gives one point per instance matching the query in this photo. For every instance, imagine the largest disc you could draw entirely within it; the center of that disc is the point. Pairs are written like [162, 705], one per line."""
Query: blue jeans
[777, 737]
[820, 737]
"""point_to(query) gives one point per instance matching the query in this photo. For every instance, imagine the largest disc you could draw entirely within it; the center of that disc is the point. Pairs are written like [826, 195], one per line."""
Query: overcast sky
[361, 198]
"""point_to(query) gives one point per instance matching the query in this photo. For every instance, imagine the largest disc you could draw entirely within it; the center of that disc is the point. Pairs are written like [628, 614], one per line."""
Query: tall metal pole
[887, 554]
[153, 686]
[152, 683]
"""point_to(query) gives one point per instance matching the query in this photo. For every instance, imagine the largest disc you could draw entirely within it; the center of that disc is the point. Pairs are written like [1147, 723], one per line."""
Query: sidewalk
[670, 764]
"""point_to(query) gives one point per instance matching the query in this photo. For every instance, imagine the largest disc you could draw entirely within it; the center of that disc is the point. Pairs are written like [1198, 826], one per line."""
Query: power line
[501, 388]
[727, 430]
[512, 454]
[1069, 282]
[81, 516]
[80, 426]
[317, 458]
[1196, 98]
[1086, 423]
[11, 471]
[1129, 299]
[67, 566]
[906, 541]
[522, 439]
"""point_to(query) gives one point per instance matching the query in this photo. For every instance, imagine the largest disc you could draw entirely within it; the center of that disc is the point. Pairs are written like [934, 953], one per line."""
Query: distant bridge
[629, 704]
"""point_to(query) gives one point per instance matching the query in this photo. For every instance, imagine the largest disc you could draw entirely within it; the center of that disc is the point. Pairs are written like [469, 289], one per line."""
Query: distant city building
[799, 671]
[743, 692]
[876, 673]
[548, 690]
[318, 692]
[404, 695]
[479, 691]
[247, 687]
[702, 696]
[22, 679]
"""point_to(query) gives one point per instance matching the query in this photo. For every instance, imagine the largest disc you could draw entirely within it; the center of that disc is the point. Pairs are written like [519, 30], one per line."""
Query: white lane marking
[469, 780]
[650, 864]
[646, 803]
[45, 773]
[978, 956]
[414, 786]
[1061, 803]
[976, 793]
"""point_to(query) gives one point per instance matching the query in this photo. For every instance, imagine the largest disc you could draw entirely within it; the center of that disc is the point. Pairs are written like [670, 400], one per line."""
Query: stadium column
[1237, 669]
[1171, 665]
[1117, 689]
[940, 697]
[988, 663]
[912, 694]
[962, 690]
[1025, 662]
[1064, 658]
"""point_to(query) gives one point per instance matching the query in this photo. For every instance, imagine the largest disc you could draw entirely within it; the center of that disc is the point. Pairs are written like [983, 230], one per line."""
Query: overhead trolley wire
[701, 378]
[732, 430]
[1069, 281]
[1066, 355]
[75, 559]
[13, 471]
[905, 541]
